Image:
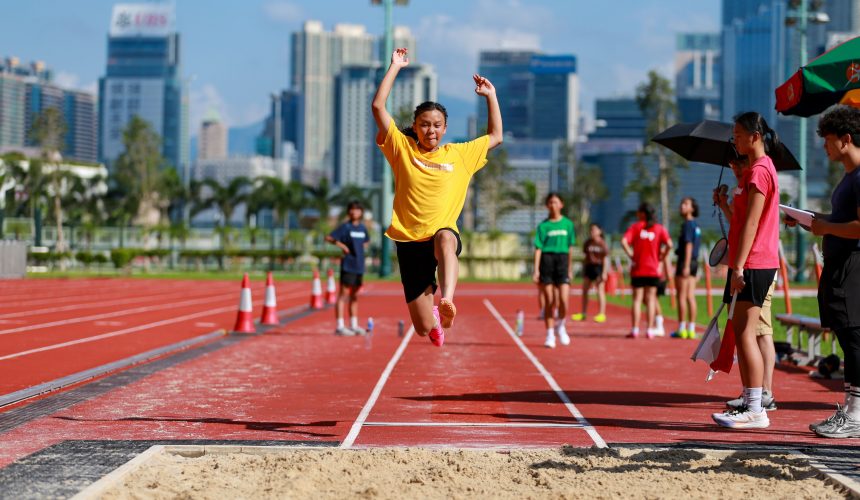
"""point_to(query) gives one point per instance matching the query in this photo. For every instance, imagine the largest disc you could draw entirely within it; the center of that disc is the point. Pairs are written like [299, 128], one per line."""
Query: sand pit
[421, 473]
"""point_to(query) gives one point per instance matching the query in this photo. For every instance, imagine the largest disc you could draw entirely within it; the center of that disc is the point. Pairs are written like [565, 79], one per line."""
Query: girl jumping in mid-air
[430, 184]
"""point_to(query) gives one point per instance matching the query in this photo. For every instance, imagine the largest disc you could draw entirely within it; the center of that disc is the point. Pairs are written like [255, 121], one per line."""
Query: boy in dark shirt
[351, 238]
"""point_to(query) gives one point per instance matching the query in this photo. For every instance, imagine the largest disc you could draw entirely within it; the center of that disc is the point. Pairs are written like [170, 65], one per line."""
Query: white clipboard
[803, 217]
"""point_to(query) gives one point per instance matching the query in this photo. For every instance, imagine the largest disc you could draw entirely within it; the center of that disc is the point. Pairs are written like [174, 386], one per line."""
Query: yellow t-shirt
[429, 188]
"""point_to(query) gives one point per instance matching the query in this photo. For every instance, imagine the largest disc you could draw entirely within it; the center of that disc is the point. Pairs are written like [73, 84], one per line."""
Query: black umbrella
[710, 141]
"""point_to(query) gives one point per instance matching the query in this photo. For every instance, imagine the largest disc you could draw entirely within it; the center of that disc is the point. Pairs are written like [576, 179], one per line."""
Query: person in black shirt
[839, 288]
[687, 268]
[351, 238]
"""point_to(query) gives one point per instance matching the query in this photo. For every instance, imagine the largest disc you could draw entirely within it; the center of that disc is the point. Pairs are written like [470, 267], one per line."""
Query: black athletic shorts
[593, 272]
[350, 279]
[417, 262]
[758, 283]
[554, 268]
[839, 292]
[644, 281]
[694, 269]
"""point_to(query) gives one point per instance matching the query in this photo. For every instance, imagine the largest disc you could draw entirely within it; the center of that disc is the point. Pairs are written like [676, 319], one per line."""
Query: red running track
[482, 389]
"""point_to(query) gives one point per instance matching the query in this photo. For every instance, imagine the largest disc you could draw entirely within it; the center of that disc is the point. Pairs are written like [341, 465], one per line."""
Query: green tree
[525, 196]
[491, 188]
[656, 99]
[138, 173]
[586, 188]
[47, 134]
[320, 198]
[225, 198]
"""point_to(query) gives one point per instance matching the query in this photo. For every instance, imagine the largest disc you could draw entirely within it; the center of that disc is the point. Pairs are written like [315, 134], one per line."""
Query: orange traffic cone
[270, 314]
[245, 320]
[316, 292]
[331, 288]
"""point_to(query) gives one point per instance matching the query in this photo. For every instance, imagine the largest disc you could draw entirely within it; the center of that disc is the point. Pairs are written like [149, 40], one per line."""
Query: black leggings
[849, 340]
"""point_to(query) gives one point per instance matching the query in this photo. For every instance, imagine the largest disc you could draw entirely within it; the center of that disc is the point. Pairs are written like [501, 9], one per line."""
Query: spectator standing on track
[753, 262]
[687, 268]
[430, 184]
[554, 240]
[646, 242]
[839, 288]
[351, 238]
[764, 331]
[595, 270]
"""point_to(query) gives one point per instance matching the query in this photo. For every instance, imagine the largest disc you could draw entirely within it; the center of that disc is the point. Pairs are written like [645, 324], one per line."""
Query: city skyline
[614, 53]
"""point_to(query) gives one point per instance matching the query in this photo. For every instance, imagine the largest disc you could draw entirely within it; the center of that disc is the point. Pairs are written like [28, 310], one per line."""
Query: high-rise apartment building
[144, 78]
[27, 91]
[357, 159]
[213, 139]
[317, 58]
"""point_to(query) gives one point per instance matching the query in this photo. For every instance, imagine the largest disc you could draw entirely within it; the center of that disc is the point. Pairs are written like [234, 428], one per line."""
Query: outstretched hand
[400, 58]
[483, 86]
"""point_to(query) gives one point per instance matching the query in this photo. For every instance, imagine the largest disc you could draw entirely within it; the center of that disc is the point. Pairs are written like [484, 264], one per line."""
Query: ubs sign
[141, 20]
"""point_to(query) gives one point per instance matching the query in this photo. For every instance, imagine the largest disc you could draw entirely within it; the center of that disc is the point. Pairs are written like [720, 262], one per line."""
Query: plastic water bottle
[400, 327]
[521, 319]
[368, 339]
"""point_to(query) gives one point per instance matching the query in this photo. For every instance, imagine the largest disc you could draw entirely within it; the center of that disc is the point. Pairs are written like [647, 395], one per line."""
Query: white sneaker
[659, 332]
[563, 338]
[742, 418]
[550, 341]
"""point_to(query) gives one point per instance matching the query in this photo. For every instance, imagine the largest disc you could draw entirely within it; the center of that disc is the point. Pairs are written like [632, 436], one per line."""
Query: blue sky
[237, 51]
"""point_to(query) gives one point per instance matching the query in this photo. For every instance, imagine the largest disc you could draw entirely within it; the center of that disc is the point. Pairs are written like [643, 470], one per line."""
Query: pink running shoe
[447, 311]
[437, 334]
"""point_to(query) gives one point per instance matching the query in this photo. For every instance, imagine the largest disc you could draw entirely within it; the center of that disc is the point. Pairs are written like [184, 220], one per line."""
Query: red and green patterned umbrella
[821, 83]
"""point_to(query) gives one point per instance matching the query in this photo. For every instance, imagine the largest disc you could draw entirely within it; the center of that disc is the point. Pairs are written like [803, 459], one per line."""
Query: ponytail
[755, 122]
[649, 213]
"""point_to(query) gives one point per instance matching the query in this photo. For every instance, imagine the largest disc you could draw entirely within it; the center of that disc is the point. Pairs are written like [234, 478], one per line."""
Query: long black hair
[755, 122]
[650, 215]
[421, 108]
[694, 204]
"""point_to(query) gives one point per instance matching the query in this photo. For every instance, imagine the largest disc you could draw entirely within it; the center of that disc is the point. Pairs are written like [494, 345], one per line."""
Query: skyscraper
[357, 159]
[213, 138]
[317, 58]
[144, 78]
[13, 93]
[697, 76]
[541, 93]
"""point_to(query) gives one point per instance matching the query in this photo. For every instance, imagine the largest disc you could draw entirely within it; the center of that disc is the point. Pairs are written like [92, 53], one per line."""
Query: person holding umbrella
[838, 297]
[753, 261]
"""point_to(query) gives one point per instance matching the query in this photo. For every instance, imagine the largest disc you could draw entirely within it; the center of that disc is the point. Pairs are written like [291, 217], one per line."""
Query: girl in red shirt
[646, 243]
[753, 261]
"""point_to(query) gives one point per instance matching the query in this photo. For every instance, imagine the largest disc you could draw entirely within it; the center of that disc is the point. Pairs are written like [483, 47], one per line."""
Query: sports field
[425, 421]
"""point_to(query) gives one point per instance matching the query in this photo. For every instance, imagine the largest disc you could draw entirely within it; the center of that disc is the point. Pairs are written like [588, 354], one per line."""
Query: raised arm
[483, 87]
[399, 60]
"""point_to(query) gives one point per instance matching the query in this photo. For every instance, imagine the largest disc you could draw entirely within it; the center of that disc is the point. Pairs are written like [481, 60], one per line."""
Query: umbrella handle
[732, 306]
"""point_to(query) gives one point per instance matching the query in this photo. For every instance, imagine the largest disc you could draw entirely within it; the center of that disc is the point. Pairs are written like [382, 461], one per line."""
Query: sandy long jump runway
[299, 384]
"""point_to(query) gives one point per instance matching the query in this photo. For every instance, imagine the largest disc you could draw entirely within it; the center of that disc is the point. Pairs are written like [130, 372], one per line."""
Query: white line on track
[118, 332]
[365, 411]
[102, 316]
[523, 425]
[592, 432]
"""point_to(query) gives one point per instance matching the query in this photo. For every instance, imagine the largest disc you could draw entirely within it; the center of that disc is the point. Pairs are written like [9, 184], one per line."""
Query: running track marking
[120, 332]
[362, 417]
[592, 432]
[527, 425]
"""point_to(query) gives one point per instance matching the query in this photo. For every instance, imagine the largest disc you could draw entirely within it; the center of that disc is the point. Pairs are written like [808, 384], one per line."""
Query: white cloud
[205, 100]
[283, 12]
[67, 80]
[462, 40]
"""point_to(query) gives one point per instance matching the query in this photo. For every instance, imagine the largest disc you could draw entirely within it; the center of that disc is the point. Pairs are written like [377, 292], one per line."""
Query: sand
[421, 473]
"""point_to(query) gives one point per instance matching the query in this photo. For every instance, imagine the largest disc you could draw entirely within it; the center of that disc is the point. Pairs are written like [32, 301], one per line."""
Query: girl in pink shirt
[753, 260]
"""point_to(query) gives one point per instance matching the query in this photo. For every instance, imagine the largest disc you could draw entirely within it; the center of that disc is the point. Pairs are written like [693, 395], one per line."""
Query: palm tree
[226, 199]
[525, 197]
[320, 198]
[47, 133]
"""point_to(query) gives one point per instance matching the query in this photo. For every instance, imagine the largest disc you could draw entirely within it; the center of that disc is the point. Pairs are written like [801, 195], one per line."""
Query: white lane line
[118, 332]
[523, 425]
[362, 417]
[592, 432]
[102, 316]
